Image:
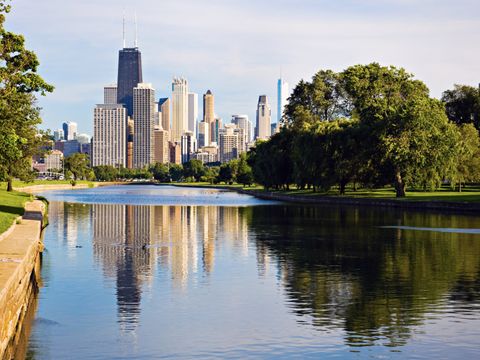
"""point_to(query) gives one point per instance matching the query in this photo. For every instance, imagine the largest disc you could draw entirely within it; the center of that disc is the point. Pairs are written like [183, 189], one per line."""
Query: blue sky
[236, 48]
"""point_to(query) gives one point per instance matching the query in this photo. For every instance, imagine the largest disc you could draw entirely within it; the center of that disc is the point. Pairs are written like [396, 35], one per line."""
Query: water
[125, 280]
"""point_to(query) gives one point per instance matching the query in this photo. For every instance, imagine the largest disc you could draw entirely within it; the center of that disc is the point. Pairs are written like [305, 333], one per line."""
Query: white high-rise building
[264, 116]
[144, 110]
[109, 135]
[189, 145]
[282, 96]
[110, 94]
[179, 109]
[83, 138]
[192, 113]
[244, 123]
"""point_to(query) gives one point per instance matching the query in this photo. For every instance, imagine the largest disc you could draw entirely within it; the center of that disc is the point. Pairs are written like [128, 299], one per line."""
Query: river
[147, 272]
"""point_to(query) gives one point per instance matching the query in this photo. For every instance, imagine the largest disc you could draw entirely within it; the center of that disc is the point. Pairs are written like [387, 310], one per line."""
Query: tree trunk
[399, 185]
[342, 187]
[460, 187]
[354, 186]
[9, 185]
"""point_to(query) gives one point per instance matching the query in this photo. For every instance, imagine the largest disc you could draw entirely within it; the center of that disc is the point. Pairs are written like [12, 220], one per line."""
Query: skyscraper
[209, 113]
[110, 94]
[161, 148]
[203, 134]
[129, 76]
[164, 109]
[179, 109]
[109, 135]
[144, 122]
[282, 96]
[189, 145]
[69, 130]
[230, 142]
[192, 113]
[244, 123]
[264, 113]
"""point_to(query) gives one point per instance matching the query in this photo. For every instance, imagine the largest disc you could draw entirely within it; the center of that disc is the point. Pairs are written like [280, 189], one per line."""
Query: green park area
[11, 206]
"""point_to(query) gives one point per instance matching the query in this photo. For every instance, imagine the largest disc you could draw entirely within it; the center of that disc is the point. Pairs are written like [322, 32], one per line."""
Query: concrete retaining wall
[20, 256]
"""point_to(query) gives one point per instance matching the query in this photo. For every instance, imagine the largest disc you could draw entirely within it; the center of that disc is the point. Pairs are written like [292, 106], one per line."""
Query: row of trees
[238, 170]
[373, 126]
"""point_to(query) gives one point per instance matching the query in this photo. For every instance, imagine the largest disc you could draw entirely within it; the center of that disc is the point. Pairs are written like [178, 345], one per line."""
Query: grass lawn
[468, 194]
[20, 184]
[11, 206]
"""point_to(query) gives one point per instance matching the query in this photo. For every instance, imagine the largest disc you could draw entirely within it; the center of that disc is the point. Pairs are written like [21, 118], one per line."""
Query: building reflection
[131, 242]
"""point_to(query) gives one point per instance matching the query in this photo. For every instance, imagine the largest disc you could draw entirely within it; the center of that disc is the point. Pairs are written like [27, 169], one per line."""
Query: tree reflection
[341, 270]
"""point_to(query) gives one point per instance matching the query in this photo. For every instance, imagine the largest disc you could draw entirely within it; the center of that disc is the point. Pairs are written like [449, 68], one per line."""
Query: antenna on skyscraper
[124, 44]
[136, 31]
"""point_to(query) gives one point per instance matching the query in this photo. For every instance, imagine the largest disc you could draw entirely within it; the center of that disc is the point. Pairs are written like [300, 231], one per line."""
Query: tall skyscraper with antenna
[282, 96]
[129, 71]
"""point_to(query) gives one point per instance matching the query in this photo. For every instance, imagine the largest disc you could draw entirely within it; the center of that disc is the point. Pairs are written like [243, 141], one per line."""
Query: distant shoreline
[451, 206]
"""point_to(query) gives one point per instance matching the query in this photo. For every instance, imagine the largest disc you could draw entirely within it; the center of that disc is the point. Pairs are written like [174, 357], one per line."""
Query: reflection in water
[342, 271]
[129, 241]
[363, 277]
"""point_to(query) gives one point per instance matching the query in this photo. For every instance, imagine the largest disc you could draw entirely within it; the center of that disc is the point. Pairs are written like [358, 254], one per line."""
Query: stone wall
[20, 257]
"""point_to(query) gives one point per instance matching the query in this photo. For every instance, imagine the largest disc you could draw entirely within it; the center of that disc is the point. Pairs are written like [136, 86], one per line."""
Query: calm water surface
[143, 272]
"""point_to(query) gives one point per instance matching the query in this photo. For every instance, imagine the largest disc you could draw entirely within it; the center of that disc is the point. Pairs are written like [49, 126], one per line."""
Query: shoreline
[450, 206]
[20, 259]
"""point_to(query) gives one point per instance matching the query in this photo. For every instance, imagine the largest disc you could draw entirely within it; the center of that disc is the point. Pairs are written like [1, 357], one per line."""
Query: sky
[237, 49]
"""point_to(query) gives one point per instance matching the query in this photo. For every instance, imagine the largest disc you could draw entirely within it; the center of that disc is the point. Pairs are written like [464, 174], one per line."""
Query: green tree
[244, 171]
[160, 172]
[322, 99]
[411, 140]
[19, 115]
[194, 168]
[78, 165]
[467, 161]
[105, 173]
[176, 172]
[462, 104]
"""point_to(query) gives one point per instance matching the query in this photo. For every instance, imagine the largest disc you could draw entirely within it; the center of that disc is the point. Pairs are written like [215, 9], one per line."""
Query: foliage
[244, 171]
[463, 105]
[105, 173]
[176, 172]
[160, 172]
[194, 168]
[467, 162]
[78, 165]
[19, 115]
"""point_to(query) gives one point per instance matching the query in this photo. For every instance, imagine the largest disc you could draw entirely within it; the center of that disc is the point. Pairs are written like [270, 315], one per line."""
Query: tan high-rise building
[175, 152]
[144, 122]
[161, 148]
[209, 114]
[164, 110]
[264, 114]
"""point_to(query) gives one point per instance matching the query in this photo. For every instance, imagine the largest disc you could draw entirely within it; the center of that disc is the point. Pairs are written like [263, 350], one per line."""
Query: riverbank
[44, 185]
[471, 203]
[19, 274]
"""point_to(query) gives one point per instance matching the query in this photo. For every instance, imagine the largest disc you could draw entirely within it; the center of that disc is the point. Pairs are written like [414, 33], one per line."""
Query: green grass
[11, 206]
[468, 194]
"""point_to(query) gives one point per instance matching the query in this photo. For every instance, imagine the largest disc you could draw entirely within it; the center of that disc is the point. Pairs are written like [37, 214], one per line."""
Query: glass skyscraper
[129, 76]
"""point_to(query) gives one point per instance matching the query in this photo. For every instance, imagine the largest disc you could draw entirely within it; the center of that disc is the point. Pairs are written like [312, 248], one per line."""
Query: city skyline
[329, 36]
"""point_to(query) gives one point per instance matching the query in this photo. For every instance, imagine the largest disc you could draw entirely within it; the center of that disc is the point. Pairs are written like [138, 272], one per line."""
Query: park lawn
[21, 184]
[11, 206]
[468, 194]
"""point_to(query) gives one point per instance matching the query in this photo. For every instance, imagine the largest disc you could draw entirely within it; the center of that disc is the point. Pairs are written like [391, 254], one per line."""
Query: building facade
[192, 113]
[110, 94]
[109, 135]
[189, 145]
[244, 123]
[282, 96]
[144, 123]
[264, 116]
[164, 110]
[70, 130]
[161, 149]
[129, 76]
[179, 109]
